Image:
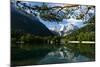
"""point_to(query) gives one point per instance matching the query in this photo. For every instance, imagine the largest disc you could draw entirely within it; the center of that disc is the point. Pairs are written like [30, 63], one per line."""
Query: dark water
[35, 54]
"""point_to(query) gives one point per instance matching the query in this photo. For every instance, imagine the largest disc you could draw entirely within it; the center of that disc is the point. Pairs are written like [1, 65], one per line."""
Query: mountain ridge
[26, 24]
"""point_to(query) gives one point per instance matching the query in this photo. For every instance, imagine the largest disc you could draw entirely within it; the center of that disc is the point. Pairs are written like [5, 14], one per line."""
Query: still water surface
[28, 54]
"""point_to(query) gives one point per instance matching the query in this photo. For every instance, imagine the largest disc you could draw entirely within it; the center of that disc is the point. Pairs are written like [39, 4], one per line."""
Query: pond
[36, 54]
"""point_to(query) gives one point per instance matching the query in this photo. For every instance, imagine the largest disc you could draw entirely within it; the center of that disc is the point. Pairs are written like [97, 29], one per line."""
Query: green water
[35, 54]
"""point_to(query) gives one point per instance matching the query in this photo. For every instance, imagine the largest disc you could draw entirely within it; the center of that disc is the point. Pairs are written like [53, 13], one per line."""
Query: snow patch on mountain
[62, 28]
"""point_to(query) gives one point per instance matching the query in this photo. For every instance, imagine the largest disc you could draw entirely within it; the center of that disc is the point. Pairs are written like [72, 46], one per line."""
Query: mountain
[23, 22]
[64, 29]
[86, 33]
[70, 28]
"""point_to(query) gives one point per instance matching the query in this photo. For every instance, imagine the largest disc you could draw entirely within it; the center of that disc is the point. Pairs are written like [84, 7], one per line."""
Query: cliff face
[22, 22]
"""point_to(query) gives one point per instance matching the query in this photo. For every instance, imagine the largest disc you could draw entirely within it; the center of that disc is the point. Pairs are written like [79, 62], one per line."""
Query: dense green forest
[86, 33]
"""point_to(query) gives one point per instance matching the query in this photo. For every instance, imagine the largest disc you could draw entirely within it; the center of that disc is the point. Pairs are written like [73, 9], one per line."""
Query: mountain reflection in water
[33, 54]
[63, 55]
